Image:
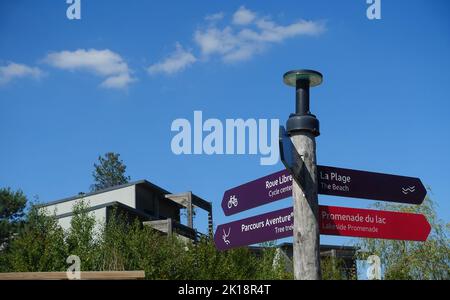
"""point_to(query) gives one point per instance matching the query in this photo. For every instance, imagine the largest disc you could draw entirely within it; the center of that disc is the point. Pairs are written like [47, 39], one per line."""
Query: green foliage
[274, 265]
[110, 171]
[81, 239]
[40, 246]
[12, 205]
[118, 245]
[333, 269]
[413, 260]
[131, 247]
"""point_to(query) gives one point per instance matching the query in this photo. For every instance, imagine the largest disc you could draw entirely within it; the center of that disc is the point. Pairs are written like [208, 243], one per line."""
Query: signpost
[333, 220]
[306, 220]
[332, 181]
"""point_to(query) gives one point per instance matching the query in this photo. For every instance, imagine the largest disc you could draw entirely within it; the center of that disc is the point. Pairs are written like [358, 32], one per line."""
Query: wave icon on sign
[408, 190]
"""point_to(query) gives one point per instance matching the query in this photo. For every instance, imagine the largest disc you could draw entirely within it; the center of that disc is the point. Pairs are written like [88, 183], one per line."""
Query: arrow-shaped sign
[369, 185]
[332, 181]
[334, 220]
[261, 191]
[257, 229]
[369, 223]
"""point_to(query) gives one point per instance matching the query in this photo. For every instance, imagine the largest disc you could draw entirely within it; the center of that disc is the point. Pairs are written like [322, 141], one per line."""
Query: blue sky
[116, 79]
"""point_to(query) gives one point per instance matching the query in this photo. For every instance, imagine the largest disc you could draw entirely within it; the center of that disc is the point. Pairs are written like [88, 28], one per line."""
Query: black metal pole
[302, 97]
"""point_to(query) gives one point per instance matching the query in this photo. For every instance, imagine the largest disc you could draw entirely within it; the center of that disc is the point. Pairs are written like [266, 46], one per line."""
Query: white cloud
[271, 32]
[214, 17]
[175, 62]
[117, 82]
[243, 16]
[237, 44]
[104, 63]
[13, 71]
[241, 38]
[214, 40]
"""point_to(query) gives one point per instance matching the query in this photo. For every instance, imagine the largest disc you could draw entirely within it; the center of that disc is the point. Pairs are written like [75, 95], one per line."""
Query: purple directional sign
[332, 181]
[369, 185]
[264, 190]
[257, 229]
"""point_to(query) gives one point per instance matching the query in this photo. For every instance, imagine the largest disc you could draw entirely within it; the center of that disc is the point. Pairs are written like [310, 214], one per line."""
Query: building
[345, 254]
[151, 204]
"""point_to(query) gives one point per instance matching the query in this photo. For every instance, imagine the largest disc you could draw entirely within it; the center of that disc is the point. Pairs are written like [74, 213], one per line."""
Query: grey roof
[139, 182]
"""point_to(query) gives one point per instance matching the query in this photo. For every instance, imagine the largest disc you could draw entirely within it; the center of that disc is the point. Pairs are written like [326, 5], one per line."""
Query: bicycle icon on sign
[233, 202]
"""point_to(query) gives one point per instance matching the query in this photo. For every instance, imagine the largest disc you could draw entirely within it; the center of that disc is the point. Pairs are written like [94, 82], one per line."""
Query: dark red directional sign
[340, 221]
[368, 223]
[332, 181]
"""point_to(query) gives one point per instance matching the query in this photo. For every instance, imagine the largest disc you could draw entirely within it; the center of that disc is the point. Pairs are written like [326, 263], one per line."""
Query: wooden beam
[196, 200]
[95, 275]
[185, 200]
[306, 235]
[164, 226]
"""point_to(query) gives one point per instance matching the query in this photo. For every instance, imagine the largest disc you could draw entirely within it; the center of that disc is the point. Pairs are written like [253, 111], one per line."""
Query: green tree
[38, 247]
[413, 260]
[333, 268]
[110, 171]
[12, 205]
[81, 239]
[123, 245]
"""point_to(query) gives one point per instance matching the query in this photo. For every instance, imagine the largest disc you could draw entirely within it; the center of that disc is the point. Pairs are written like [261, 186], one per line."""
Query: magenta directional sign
[266, 227]
[332, 181]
